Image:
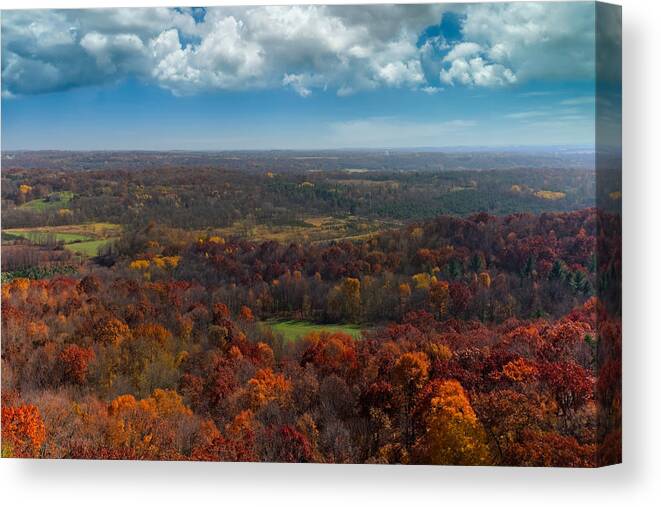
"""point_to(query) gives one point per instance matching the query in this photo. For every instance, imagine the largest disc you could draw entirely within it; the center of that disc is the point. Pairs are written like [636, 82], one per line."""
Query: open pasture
[295, 329]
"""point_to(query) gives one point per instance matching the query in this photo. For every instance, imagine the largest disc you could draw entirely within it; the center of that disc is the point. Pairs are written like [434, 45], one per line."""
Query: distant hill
[415, 159]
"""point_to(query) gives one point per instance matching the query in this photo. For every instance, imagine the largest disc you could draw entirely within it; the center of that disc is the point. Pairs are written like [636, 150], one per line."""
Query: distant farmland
[84, 239]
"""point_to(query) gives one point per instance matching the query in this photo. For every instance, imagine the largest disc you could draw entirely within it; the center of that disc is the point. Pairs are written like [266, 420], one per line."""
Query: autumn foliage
[23, 431]
[485, 342]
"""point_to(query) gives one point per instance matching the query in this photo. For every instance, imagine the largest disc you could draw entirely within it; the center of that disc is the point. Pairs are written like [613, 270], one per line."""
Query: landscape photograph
[343, 234]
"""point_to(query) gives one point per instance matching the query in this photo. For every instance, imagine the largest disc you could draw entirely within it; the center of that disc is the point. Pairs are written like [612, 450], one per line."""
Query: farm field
[87, 248]
[83, 239]
[295, 329]
[38, 235]
[61, 200]
[310, 229]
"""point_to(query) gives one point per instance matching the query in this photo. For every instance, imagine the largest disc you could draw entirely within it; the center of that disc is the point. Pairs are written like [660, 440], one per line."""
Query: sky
[299, 77]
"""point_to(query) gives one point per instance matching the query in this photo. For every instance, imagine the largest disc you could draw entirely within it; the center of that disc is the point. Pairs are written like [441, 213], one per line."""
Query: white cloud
[476, 71]
[506, 43]
[535, 40]
[303, 47]
[223, 59]
[462, 51]
[343, 49]
[299, 82]
[431, 90]
[400, 73]
[112, 52]
[50, 50]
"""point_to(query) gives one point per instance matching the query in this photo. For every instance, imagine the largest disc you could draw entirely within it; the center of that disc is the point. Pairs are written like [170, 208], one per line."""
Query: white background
[636, 482]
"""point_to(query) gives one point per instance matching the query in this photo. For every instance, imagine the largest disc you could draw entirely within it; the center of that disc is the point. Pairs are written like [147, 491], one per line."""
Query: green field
[41, 205]
[295, 329]
[89, 248]
[40, 236]
[83, 239]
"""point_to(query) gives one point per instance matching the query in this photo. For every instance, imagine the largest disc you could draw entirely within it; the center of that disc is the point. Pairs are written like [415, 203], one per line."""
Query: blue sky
[299, 77]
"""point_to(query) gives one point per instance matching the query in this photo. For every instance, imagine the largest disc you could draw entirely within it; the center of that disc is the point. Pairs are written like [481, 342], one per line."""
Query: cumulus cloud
[477, 71]
[341, 49]
[114, 53]
[50, 50]
[506, 43]
[461, 51]
[301, 47]
[536, 40]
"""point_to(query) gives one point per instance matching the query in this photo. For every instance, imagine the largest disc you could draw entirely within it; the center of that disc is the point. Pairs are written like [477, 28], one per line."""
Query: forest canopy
[381, 316]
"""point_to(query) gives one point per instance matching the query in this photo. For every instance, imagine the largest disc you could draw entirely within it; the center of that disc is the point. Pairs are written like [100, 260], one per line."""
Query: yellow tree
[158, 427]
[485, 279]
[267, 386]
[453, 434]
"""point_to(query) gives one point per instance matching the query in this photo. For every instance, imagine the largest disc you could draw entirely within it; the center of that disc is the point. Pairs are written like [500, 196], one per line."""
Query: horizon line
[481, 147]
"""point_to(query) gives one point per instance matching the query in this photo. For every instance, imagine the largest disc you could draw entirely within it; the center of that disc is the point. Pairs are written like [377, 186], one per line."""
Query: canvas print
[378, 234]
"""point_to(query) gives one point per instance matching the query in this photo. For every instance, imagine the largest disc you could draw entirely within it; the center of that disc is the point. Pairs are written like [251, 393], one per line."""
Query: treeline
[212, 197]
[302, 161]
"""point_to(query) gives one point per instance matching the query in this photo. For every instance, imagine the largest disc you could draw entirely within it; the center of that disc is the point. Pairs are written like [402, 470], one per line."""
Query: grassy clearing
[56, 200]
[311, 229]
[75, 232]
[318, 221]
[83, 239]
[87, 248]
[39, 236]
[295, 329]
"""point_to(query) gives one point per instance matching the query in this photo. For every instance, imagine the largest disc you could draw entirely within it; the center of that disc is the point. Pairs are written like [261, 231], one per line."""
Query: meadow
[83, 239]
[55, 201]
[293, 330]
